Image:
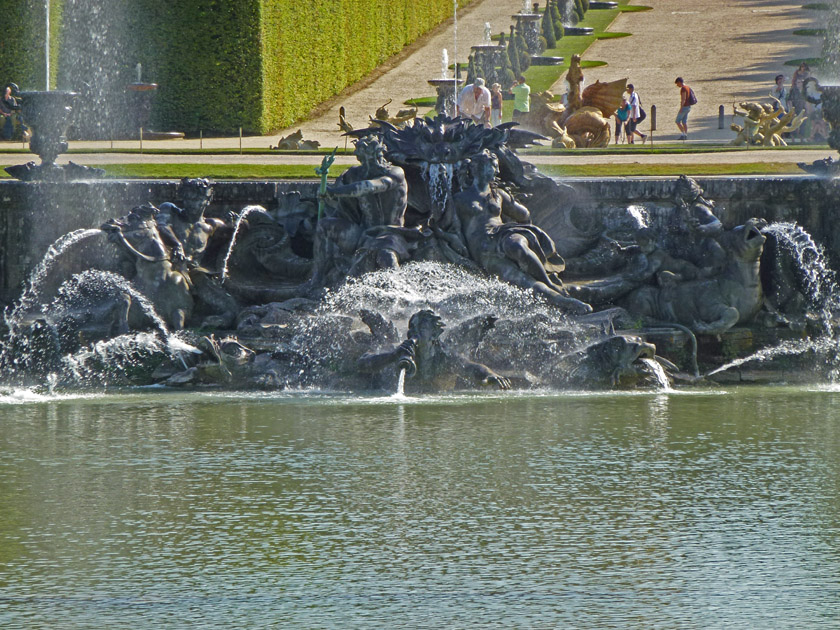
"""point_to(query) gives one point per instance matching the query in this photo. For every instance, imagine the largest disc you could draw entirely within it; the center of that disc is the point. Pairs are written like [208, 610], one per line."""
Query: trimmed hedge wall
[220, 64]
[22, 42]
[312, 51]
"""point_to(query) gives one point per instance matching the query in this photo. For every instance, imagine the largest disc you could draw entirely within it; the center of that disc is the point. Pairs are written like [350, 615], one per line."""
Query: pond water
[695, 509]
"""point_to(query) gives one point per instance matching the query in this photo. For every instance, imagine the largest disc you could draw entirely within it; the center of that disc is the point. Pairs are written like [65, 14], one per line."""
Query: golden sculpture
[585, 120]
[764, 124]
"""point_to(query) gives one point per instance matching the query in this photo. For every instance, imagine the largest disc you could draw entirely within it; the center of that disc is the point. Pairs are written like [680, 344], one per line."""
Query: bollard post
[720, 117]
[200, 138]
[240, 141]
[653, 117]
[141, 139]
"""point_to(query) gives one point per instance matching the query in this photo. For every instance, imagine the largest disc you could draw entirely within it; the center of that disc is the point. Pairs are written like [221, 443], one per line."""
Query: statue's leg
[510, 273]
[336, 240]
[517, 248]
[727, 317]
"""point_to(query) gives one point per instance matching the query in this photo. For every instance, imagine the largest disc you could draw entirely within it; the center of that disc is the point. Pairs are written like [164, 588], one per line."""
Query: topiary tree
[471, 71]
[522, 49]
[506, 76]
[579, 9]
[558, 20]
[513, 54]
[585, 4]
[548, 28]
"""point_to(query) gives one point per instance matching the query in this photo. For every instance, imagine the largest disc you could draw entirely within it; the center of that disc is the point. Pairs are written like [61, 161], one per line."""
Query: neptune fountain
[435, 232]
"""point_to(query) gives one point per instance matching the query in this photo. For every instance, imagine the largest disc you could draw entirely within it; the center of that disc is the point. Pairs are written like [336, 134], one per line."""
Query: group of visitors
[630, 113]
[815, 127]
[484, 106]
[628, 116]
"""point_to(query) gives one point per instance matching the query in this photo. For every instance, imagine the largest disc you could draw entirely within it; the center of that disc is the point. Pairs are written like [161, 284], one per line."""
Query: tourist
[495, 104]
[474, 102]
[797, 95]
[521, 98]
[797, 99]
[8, 107]
[687, 99]
[622, 116]
[779, 92]
[637, 115]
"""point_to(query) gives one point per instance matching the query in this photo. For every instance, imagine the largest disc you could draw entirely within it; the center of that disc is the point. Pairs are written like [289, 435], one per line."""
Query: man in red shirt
[686, 98]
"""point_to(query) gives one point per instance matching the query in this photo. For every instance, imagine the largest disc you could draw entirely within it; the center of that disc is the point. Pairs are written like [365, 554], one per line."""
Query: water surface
[158, 509]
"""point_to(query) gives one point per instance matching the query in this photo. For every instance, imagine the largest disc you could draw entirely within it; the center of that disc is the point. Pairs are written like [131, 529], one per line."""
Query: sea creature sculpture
[711, 305]
[429, 364]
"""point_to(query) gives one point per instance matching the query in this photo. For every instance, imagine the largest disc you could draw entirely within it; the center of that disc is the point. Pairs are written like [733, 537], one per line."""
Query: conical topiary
[558, 20]
[513, 54]
[548, 28]
[579, 9]
[471, 73]
[506, 76]
[524, 53]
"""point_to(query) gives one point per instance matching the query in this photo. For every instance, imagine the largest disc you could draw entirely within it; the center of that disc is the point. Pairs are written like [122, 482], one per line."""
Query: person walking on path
[521, 98]
[622, 116]
[637, 115]
[495, 104]
[474, 102]
[687, 99]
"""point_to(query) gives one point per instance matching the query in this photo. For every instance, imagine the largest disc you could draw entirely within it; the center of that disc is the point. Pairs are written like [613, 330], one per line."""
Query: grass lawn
[307, 172]
[669, 170]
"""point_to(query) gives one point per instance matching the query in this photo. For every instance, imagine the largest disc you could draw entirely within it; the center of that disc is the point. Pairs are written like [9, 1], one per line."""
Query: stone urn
[48, 116]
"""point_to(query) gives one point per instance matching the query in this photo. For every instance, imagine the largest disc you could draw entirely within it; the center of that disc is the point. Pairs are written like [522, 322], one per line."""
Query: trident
[323, 170]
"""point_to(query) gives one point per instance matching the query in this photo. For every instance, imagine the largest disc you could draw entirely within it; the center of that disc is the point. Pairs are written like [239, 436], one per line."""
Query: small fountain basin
[577, 30]
[537, 60]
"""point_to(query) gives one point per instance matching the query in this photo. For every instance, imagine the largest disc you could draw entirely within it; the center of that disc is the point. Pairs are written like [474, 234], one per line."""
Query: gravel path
[727, 50]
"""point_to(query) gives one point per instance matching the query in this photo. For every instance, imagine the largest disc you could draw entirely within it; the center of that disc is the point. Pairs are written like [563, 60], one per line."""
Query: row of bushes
[220, 64]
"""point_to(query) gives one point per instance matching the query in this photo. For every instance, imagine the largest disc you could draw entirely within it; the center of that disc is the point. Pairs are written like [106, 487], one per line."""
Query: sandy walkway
[727, 50]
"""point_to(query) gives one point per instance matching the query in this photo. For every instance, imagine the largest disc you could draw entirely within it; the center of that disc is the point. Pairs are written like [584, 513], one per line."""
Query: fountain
[488, 57]
[447, 243]
[48, 115]
[527, 24]
[446, 86]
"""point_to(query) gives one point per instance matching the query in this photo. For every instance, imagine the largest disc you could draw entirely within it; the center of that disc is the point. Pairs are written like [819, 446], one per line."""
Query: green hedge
[22, 53]
[311, 51]
[220, 64]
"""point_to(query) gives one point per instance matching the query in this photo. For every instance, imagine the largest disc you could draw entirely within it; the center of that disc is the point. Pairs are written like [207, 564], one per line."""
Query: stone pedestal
[488, 57]
[528, 24]
[447, 95]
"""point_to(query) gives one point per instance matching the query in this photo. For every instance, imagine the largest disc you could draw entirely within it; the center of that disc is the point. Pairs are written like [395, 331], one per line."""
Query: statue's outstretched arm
[365, 187]
[483, 374]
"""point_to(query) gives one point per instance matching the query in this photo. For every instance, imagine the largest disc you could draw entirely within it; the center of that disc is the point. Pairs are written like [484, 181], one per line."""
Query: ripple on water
[654, 510]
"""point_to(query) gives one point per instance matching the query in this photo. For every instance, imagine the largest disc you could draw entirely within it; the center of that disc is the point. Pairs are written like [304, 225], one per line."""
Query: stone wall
[33, 216]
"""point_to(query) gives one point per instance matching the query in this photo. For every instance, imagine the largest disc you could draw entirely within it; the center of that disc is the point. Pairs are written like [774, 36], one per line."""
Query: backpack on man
[691, 99]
